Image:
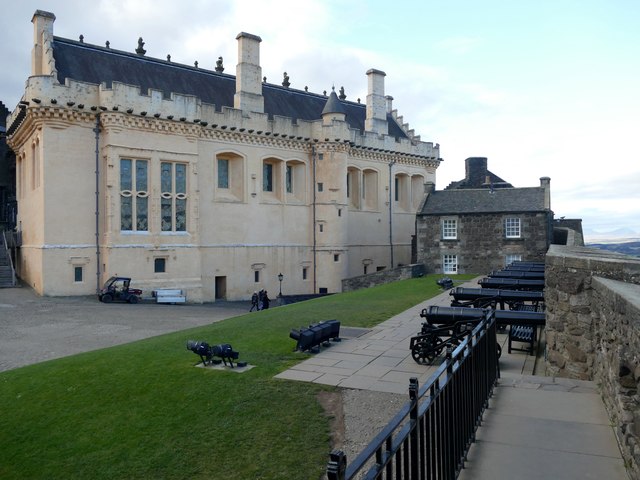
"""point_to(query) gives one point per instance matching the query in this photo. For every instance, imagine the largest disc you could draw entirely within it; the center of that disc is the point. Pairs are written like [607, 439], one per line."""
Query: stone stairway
[6, 272]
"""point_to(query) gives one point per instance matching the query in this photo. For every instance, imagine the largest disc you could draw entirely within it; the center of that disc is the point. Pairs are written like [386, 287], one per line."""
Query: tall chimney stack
[248, 94]
[41, 55]
[376, 120]
[545, 182]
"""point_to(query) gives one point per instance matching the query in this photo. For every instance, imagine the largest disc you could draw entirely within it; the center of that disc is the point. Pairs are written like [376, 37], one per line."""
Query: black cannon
[316, 334]
[523, 264]
[434, 338]
[525, 268]
[206, 352]
[534, 275]
[512, 283]
[446, 327]
[445, 282]
[491, 297]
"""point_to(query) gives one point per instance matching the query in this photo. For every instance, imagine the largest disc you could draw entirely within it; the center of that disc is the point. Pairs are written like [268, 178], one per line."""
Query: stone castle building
[196, 179]
[483, 223]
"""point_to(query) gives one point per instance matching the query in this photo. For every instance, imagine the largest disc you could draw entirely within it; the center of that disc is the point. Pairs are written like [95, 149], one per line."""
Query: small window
[321, 227]
[323, 290]
[223, 173]
[449, 229]
[77, 274]
[256, 276]
[336, 257]
[321, 156]
[159, 265]
[512, 228]
[304, 273]
[450, 264]
[365, 269]
[339, 212]
[289, 179]
[320, 187]
[267, 177]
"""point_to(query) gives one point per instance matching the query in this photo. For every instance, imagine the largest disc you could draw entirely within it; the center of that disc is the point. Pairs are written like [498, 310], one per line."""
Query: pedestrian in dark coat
[254, 302]
[265, 300]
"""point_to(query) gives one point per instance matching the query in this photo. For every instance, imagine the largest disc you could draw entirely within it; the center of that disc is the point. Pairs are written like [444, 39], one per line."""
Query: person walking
[254, 302]
[265, 300]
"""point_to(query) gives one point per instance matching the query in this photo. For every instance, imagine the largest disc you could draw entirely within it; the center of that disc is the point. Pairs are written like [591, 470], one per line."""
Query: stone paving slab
[541, 427]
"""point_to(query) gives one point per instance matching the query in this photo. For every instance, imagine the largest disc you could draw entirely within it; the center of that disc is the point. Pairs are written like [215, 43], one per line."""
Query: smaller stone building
[479, 228]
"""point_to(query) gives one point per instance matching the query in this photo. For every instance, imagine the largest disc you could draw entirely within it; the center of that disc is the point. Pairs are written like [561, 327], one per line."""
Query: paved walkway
[379, 359]
[535, 427]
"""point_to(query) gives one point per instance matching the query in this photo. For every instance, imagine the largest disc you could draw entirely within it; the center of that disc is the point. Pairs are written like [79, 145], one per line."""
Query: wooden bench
[523, 334]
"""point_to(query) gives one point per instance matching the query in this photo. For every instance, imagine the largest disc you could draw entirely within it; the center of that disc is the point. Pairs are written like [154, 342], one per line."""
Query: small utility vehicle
[117, 289]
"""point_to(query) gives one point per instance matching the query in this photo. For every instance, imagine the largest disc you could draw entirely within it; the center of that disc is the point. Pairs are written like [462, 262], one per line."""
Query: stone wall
[593, 332]
[481, 245]
[382, 277]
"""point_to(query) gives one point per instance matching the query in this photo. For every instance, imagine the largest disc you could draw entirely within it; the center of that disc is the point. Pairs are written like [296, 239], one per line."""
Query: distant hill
[628, 248]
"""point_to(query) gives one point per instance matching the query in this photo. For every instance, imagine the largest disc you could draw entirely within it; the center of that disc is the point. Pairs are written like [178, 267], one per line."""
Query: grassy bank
[143, 411]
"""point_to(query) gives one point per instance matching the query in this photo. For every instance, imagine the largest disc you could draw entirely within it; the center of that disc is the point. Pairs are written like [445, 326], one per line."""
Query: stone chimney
[376, 120]
[476, 170]
[429, 187]
[42, 54]
[248, 94]
[545, 182]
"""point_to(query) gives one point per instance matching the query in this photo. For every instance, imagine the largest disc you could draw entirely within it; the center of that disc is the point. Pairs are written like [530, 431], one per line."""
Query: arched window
[353, 187]
[272, 179]
[295, 181]
[417, 191]
[229, 177]
[370, 189]
[402, 191]
[134, 195]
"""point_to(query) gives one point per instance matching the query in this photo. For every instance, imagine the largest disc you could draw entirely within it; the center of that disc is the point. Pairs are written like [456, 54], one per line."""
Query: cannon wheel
[426, 349]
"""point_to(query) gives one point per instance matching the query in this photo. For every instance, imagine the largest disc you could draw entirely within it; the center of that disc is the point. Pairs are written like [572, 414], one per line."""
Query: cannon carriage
[446, 327]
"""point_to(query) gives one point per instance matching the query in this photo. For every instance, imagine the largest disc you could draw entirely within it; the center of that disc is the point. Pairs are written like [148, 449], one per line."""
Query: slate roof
[478, 183]
[470, 201]
[94, 64]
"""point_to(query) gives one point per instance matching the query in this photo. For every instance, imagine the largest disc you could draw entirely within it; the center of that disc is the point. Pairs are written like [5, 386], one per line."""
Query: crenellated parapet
[178, 110]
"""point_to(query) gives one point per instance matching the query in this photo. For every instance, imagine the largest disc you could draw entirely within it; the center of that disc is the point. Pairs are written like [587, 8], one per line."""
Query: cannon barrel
[525, 268]
[436, 315]
[526, 264]
[512, 283]
[463, 293]
[516, 274]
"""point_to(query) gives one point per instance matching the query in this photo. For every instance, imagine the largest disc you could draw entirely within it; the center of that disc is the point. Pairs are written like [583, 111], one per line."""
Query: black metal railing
[430, 436]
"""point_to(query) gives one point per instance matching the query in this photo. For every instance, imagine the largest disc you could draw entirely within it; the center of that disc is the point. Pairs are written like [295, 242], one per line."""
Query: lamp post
[280, 277]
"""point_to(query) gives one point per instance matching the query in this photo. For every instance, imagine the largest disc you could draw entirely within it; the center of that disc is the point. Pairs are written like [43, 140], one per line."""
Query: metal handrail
[6, 246]
[430, 436]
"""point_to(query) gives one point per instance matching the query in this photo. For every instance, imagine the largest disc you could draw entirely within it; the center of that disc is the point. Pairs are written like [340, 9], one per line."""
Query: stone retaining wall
[383, 276]
[593, 332]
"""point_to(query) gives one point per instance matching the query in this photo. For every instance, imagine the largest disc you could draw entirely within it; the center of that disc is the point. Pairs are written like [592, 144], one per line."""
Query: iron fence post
[337, 465]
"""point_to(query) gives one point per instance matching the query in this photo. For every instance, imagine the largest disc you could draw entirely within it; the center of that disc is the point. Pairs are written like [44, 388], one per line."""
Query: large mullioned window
[173, 201]
[134, 195]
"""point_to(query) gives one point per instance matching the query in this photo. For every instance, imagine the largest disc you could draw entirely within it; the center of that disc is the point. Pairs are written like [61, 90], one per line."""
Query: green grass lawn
[142, 411]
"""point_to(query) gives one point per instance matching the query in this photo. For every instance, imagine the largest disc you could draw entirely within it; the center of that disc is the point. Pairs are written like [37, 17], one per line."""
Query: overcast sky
[540, 88]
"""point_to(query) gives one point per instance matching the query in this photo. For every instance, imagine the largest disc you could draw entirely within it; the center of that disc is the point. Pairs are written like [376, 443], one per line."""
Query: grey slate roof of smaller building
[469, 201]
